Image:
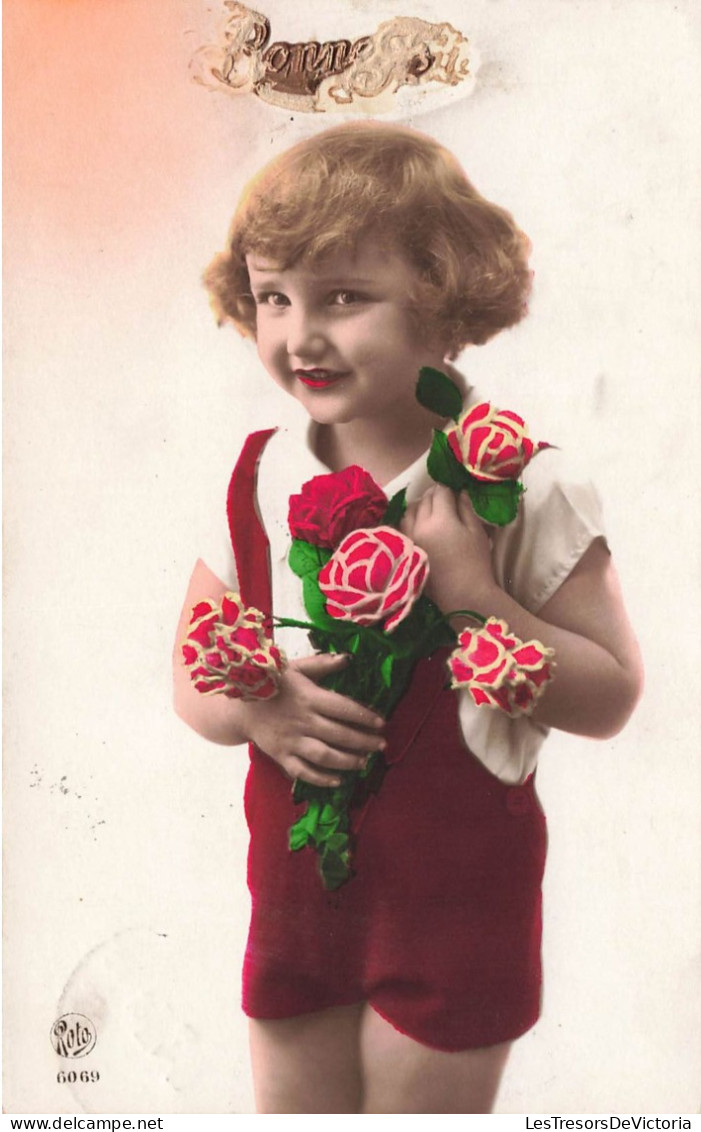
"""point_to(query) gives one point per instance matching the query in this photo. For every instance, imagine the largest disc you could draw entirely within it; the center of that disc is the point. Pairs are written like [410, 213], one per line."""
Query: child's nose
[305, 335]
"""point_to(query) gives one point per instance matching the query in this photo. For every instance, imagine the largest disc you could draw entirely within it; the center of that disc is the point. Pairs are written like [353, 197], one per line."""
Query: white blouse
[558, 520]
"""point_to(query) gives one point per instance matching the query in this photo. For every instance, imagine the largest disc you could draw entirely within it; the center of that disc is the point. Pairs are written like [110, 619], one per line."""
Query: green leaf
[323, 641]
[315, 603]
[311, 818]
[329, 815]
[442, 465]
[307, 559]
[386, 670]
[334, 868]
[338, 842]
[372, 759]
[304, 829]
[395, 509]
[299, 837]
[299, 791]
[436, 392]
[496, 503]
[309, 792]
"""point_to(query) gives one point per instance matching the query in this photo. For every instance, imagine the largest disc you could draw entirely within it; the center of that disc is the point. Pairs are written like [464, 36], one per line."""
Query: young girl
[353, 260]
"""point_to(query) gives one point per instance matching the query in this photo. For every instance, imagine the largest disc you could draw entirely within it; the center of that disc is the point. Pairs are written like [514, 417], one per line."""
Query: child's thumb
[317, 666]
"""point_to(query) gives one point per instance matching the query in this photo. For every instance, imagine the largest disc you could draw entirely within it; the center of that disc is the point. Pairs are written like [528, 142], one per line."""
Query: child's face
[339, 334]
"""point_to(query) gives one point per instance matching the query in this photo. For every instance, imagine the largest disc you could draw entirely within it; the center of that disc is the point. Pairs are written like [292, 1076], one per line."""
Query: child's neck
[384, 450]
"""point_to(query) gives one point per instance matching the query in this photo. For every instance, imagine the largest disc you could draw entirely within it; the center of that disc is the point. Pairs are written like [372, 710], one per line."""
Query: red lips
[318, 378]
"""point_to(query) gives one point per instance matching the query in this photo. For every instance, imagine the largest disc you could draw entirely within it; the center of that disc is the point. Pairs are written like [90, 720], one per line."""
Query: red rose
[330, 506]
[492, 443]
[499, 670]
[227, 649]
[374, 575]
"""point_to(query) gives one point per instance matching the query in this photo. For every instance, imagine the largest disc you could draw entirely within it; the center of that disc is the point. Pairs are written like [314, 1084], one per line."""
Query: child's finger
[337, 707]
[408, 522]
[417, 514]
[470, 518]
[327, 756]
[426, 502]
[321, 664]
[356, 742]
[445, 499]
[320, 763]
[466, 510]
[300, 768]
[333, 705]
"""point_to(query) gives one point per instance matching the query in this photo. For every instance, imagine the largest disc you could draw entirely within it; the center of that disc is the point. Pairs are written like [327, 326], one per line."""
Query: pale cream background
[124, 893]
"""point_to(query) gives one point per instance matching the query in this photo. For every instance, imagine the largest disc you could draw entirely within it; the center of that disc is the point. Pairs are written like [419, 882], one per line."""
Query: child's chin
[329, 418]
[323, 410]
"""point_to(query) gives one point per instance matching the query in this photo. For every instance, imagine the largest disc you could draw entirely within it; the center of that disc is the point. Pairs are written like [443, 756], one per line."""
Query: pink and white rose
[228, 650]
[499, 670]
[374, 575]
[492, 444]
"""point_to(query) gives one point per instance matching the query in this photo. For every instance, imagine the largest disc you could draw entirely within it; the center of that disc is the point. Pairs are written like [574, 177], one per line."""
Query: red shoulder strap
[248, 537]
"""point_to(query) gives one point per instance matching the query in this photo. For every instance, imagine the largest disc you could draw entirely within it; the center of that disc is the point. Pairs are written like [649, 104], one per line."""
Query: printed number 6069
[70, 1077]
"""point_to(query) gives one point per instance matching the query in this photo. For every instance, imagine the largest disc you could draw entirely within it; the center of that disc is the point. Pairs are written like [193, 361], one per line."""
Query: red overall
[439, 929]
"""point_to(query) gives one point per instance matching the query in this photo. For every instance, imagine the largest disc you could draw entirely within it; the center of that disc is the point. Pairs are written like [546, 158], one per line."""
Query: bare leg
[401, 1075]
[309, 1063]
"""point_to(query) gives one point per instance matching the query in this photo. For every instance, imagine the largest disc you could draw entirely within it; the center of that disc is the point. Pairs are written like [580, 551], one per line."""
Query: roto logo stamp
[73, 1035]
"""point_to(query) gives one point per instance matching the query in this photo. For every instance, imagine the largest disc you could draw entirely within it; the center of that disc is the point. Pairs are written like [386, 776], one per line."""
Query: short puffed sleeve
[209, 525]
[559, 517]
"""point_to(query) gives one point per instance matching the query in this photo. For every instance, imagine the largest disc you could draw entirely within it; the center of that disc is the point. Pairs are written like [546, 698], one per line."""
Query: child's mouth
[318, 378]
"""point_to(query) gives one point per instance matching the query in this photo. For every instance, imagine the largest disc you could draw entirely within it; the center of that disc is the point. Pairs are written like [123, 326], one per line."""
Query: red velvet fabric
[439, 929]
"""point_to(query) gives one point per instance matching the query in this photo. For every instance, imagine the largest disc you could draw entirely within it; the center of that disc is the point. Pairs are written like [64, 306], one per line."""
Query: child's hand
[311, 732]
[459, 550]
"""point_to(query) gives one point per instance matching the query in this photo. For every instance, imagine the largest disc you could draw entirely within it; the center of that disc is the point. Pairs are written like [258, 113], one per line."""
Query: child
[354, 259]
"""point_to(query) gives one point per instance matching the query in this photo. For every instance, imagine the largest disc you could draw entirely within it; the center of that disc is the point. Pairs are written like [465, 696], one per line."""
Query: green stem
[466, 613]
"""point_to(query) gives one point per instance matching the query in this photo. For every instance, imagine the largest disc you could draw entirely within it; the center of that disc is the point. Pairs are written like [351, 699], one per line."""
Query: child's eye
[346, 298]
[272, 299]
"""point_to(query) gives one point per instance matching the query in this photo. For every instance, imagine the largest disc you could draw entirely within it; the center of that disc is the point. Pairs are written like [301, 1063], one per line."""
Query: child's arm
[598, 677]
[309, 731]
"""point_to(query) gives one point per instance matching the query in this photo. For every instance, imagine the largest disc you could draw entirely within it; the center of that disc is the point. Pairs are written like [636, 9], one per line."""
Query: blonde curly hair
[366, 178]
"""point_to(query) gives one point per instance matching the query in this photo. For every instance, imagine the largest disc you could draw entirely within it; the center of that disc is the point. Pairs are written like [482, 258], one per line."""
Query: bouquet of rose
[363, 583]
